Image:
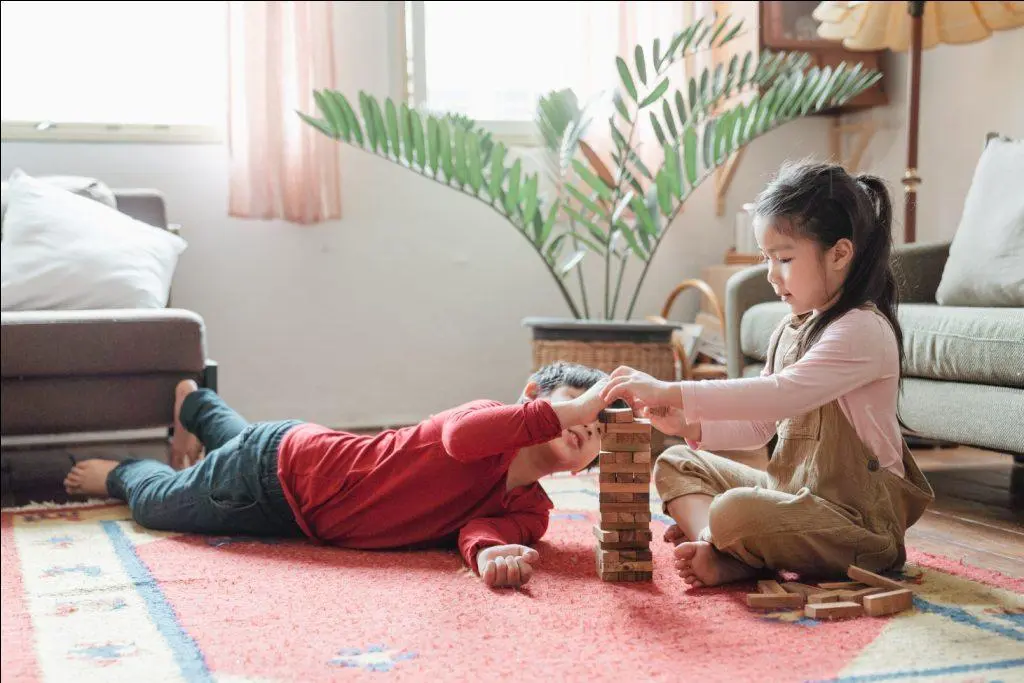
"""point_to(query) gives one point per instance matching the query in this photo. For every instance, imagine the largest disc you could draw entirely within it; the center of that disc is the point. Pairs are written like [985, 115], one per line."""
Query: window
[106, 70]
[492, 60]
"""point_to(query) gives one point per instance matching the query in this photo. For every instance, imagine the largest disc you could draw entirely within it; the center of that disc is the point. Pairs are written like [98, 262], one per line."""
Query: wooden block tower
[623, 551]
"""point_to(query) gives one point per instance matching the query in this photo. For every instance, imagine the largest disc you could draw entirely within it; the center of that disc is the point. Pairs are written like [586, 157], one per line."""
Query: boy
[465, 477]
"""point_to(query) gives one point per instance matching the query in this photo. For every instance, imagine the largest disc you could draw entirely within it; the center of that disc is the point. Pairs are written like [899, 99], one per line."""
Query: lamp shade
[868, 26]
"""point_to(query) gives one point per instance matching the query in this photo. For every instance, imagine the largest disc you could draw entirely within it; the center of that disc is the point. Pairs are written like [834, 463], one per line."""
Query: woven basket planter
[644, 346]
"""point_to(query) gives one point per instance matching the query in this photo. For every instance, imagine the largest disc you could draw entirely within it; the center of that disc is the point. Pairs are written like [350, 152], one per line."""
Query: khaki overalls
[824, 502]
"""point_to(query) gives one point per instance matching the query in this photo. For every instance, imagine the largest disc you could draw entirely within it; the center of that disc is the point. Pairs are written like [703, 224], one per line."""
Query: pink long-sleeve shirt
[856, 360]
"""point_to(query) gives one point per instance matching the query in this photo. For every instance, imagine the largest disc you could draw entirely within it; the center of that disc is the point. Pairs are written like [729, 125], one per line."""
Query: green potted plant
[587, 209]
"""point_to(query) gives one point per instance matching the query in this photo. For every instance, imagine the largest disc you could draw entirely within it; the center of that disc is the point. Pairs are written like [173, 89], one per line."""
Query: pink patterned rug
[90, 596]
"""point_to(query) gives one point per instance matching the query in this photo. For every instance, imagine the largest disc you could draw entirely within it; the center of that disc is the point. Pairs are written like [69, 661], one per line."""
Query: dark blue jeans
[234, 490]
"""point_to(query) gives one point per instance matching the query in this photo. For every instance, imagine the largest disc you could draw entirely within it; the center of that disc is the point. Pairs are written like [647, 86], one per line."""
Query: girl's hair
[824, 203]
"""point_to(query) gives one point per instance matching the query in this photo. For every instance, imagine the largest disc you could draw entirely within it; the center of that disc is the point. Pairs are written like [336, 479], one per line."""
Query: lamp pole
[910, 178]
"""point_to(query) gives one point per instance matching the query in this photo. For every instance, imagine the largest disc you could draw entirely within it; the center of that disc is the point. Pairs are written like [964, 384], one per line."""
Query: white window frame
[414, 83]
[47, 131]
[113, 132]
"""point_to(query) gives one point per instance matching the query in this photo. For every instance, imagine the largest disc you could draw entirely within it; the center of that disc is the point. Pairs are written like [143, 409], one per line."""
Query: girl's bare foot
[89, 478]
[185, 447]
[701, 565]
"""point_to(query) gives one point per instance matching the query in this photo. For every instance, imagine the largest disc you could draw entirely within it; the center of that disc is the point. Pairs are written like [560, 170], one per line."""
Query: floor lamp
[913, 26]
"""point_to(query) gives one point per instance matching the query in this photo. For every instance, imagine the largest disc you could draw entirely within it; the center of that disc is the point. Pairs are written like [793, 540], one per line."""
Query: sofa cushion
[986, 258]
[90, 343]
[62, 251]
[90, 188]
[962, 344]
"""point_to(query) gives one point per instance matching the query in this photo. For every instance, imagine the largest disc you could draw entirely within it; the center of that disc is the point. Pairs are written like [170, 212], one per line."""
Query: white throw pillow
[62, 251]
[986, 257]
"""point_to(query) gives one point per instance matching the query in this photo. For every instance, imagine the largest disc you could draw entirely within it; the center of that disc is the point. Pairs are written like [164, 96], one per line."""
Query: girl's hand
[670, 421]
[635, 387]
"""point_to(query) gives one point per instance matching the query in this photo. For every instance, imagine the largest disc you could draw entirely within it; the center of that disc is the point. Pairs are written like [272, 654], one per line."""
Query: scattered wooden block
[833, 610]
[859, 595]
[891, 602]
[840, 585]
[775, 600]
[616, 415]
[874, 580]
[770, 588]
[825, 597]
[801, 588]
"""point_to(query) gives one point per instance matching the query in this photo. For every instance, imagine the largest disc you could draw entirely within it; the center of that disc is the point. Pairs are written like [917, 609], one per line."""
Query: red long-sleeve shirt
[439, 483]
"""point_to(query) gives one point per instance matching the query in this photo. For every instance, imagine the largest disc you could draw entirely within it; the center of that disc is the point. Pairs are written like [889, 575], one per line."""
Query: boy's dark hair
[565, 374]
[824, 203]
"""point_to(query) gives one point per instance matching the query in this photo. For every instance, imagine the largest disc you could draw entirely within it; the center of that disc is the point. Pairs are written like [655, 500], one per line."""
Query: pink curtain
[280, 167]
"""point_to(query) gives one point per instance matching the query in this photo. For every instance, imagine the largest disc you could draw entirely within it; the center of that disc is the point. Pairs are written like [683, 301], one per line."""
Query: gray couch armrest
[743, 290]
[918, 269]
[143, 205]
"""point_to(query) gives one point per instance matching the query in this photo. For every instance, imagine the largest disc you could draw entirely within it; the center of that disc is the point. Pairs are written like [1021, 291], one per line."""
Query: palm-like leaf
[621, 211]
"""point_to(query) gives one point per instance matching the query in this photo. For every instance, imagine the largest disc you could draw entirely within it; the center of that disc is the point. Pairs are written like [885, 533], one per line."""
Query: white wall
[966, 92]
[412, 303]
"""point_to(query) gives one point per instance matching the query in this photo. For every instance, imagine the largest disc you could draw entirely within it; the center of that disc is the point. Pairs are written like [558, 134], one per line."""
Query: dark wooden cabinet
[789, 26]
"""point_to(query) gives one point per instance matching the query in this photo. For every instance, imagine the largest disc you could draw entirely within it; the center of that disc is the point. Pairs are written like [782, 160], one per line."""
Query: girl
[841, 487]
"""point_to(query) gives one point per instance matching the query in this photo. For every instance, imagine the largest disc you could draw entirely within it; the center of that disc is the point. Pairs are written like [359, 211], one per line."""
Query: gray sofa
[100, 370]
[964, 372]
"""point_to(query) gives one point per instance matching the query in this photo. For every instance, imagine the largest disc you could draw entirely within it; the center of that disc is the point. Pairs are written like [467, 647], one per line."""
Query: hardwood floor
[977, 517]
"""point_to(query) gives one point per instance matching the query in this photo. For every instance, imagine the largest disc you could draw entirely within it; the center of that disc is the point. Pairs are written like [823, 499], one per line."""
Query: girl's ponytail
[878, 248]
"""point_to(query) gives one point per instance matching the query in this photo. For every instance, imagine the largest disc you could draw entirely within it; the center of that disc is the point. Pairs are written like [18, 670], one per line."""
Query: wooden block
[637, 468]
[606, 535]
[634, 507]
[872, 579]
[624, 526]
[641, 456]
[637, 427]
[630, 566]
[770, 587]
[858, 595]
[624, 545]
[775, 600]
[606, 557]
[616, 415]
[891, 602]
[624, 488]
[827, 596]
[801, 588]
[626, 577]
[623, 442]
[610, 458]
[841, 585]
[617, 498]
[833, 610]
[659, 411]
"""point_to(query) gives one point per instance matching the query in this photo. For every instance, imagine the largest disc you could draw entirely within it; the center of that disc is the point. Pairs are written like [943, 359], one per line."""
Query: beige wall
[413, 302]
[966, 91]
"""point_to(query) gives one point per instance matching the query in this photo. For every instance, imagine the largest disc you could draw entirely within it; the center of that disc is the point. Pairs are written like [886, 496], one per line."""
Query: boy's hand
[635, 387]
[506, 565]
[583, 409]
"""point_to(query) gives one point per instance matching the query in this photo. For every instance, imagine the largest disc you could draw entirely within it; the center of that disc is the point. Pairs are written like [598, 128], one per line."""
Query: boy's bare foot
[185, 447]
[701, 564]
[89, 478]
